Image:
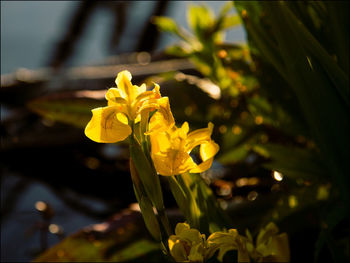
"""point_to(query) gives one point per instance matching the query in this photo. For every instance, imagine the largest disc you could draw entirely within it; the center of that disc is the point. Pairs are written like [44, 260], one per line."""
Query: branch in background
[150, 34]
[28, 83]
[65, 47]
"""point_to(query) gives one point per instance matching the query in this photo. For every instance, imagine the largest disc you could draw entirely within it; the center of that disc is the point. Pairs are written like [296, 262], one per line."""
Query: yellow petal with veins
[171, 148]
[106, 127]
[160, 142]
[163, 119]
[172, 162]
[112, 94]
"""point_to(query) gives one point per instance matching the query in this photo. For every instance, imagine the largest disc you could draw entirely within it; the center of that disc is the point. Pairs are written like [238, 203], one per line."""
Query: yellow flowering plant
[158, 147]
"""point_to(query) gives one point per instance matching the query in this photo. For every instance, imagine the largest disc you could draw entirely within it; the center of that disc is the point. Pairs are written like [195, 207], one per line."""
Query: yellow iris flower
[269, 246]
[226, 241]
[126, 103]
[187, 245]
[171, 149]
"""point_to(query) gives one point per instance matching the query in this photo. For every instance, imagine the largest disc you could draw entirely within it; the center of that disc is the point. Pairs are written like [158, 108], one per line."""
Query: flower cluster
[189, 245]
[129, 104]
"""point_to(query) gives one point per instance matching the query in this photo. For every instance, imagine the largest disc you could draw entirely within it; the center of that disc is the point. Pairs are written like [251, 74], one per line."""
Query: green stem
[165, 222]
[145, 163]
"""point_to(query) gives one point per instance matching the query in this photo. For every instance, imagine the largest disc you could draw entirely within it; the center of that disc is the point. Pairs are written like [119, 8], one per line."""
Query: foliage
[300, 90]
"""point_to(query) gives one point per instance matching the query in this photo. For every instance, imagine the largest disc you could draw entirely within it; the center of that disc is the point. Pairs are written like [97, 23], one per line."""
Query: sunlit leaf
[166, 24]
[230, 21]
[200, 20]
[72, 107]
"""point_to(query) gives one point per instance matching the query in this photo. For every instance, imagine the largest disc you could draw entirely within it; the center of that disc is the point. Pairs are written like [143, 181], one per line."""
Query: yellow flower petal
[197, 253]
[199, 136]
[163, 119]
[202, 166]
[126, 89]
[223, 237]
[265, 233]
[171, 149]
[181, 227]
[207, 153]
[112, 94]
[223, 241]
[187, 245]
[208, 150]
[191, 236]
[160, 142]
[122, 118]
[172, 162]
[177, 249]
[140, 89]
[105, 127]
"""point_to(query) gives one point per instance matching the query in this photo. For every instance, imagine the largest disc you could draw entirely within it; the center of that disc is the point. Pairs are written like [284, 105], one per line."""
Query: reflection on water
[20, 230]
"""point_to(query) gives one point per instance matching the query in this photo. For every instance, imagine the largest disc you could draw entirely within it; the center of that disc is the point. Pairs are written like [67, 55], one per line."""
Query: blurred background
[42, 34]
[273, 78]
[89, 33]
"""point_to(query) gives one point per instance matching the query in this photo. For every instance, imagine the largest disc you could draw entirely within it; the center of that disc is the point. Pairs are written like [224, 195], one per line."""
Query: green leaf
[137, 249]
[147, 174]
[339, 22]
[215, 216]
[198, 203]
[200, 20]
[292, 162]
[335, 73]
[80, 249]
[122, 238]
[235, 155]
[71, 107]
[335, 215]
[194, 213]
[180, 198]
[166, 24]
[178, 51]
[315, 94]
[145, 205]
[226, 8]
[229, 21]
